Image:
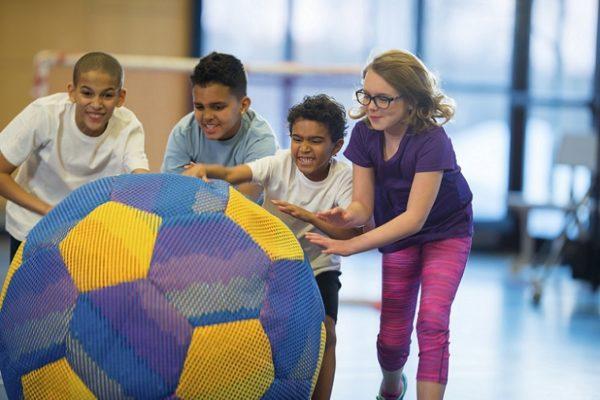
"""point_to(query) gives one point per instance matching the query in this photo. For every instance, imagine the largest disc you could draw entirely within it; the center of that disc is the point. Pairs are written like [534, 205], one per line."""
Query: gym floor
[502, 346]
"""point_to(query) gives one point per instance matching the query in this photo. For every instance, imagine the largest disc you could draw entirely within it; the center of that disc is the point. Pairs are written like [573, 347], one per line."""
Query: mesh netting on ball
[160, 286]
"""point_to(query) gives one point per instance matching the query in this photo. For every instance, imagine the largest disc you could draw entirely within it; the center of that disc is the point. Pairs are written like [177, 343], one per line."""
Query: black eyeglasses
[381, 101]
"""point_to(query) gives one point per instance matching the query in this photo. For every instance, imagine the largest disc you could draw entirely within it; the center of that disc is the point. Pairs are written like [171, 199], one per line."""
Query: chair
[574, 151]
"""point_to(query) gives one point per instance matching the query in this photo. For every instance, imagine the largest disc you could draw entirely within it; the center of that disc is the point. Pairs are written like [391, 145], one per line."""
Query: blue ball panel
[293, 304]
[103, 344]
[169, 195]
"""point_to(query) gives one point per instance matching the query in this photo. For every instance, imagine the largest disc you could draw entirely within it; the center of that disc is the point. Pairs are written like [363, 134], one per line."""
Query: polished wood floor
[502, 346]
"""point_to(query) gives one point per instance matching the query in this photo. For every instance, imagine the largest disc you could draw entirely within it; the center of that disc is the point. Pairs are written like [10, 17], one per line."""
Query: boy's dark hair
[321, 108]
[221, 68]
[98, 61]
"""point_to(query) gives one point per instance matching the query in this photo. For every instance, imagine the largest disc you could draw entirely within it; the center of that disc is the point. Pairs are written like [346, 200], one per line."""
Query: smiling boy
[64, 140]
[298, 183]
[222, 129]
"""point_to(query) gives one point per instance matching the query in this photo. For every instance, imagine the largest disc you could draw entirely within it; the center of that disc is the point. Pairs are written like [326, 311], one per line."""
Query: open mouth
[304, 161]
[95, 117]
[210, 128]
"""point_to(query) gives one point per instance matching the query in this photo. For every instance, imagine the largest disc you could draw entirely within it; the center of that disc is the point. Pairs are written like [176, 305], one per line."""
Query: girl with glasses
[406, 176]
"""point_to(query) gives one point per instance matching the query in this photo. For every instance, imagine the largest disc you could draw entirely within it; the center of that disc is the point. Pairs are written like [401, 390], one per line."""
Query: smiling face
[96, 96]
[218, 111]
[392, 119]
[312, 148]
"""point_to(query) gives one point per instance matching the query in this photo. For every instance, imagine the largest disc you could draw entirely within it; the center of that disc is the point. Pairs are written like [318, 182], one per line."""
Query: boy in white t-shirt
[64, 140]
[299, 182]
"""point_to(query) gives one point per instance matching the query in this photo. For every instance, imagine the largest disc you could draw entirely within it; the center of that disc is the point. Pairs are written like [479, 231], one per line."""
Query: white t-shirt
[55, 157]
[283, 181]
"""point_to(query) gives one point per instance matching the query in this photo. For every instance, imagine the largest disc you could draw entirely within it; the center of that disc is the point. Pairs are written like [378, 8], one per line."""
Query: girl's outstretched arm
[423, 193]
[307, 216]
[359, 212]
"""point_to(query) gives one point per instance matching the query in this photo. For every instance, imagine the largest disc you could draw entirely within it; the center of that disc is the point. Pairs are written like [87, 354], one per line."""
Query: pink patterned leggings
[437, 268]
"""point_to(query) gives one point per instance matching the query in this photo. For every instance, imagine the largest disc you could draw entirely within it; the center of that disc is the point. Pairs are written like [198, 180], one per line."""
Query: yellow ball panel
[113, 244]
[227, 361]
[272, 235]
[14, 266]
[55, 381]
[321, 352]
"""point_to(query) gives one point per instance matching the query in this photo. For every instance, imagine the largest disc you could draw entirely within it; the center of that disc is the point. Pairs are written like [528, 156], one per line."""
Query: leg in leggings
[400, 288]
[443, 266]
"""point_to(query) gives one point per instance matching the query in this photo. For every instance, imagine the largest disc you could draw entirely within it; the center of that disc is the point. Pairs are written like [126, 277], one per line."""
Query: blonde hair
[416, 84]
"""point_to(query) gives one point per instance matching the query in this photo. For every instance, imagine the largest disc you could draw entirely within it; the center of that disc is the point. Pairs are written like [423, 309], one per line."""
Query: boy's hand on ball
[195, 170]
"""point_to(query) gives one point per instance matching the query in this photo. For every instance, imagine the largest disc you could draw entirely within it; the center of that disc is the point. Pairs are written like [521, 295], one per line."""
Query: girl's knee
[391, 355]
[388, 347]
[432, 333]
[433, 320]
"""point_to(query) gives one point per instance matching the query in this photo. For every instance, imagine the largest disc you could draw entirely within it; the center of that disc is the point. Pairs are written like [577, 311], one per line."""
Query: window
[468, 43]
[563, 48]
[252, 30]
[563, 52]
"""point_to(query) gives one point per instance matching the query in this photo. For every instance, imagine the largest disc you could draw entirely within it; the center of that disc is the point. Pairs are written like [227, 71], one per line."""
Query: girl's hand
[293, 210]
[337, 216]
[195, 170]
[332, 246]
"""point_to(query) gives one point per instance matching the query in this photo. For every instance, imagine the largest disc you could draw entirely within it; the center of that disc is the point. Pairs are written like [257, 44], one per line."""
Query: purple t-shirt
[451, 214]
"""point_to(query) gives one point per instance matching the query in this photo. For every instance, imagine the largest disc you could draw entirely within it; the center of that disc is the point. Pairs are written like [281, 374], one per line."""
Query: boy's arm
[135, 158]
[250, 190]
[176, 153]
[11, 190]
[234, 175]
[265, 145]
[333, 231]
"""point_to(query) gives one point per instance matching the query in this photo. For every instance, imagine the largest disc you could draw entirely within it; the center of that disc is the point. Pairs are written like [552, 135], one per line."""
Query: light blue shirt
[187, 143]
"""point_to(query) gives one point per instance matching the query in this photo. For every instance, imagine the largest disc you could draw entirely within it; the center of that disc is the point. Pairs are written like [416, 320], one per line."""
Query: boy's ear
[245, 104]
[122, 95]
[71, 90]
[337, 147]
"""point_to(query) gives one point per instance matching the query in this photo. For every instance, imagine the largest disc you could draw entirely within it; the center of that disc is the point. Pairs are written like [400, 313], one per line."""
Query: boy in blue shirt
[222, 129]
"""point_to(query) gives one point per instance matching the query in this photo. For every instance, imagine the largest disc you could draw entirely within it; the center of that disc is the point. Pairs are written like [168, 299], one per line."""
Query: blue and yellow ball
[160, 286]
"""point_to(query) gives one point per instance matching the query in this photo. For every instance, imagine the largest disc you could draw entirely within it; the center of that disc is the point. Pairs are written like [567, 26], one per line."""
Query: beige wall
[145, 27]
[142, 27]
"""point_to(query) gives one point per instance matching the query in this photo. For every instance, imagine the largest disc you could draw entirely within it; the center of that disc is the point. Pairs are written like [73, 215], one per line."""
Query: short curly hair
[321, 108]
[221, 68]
